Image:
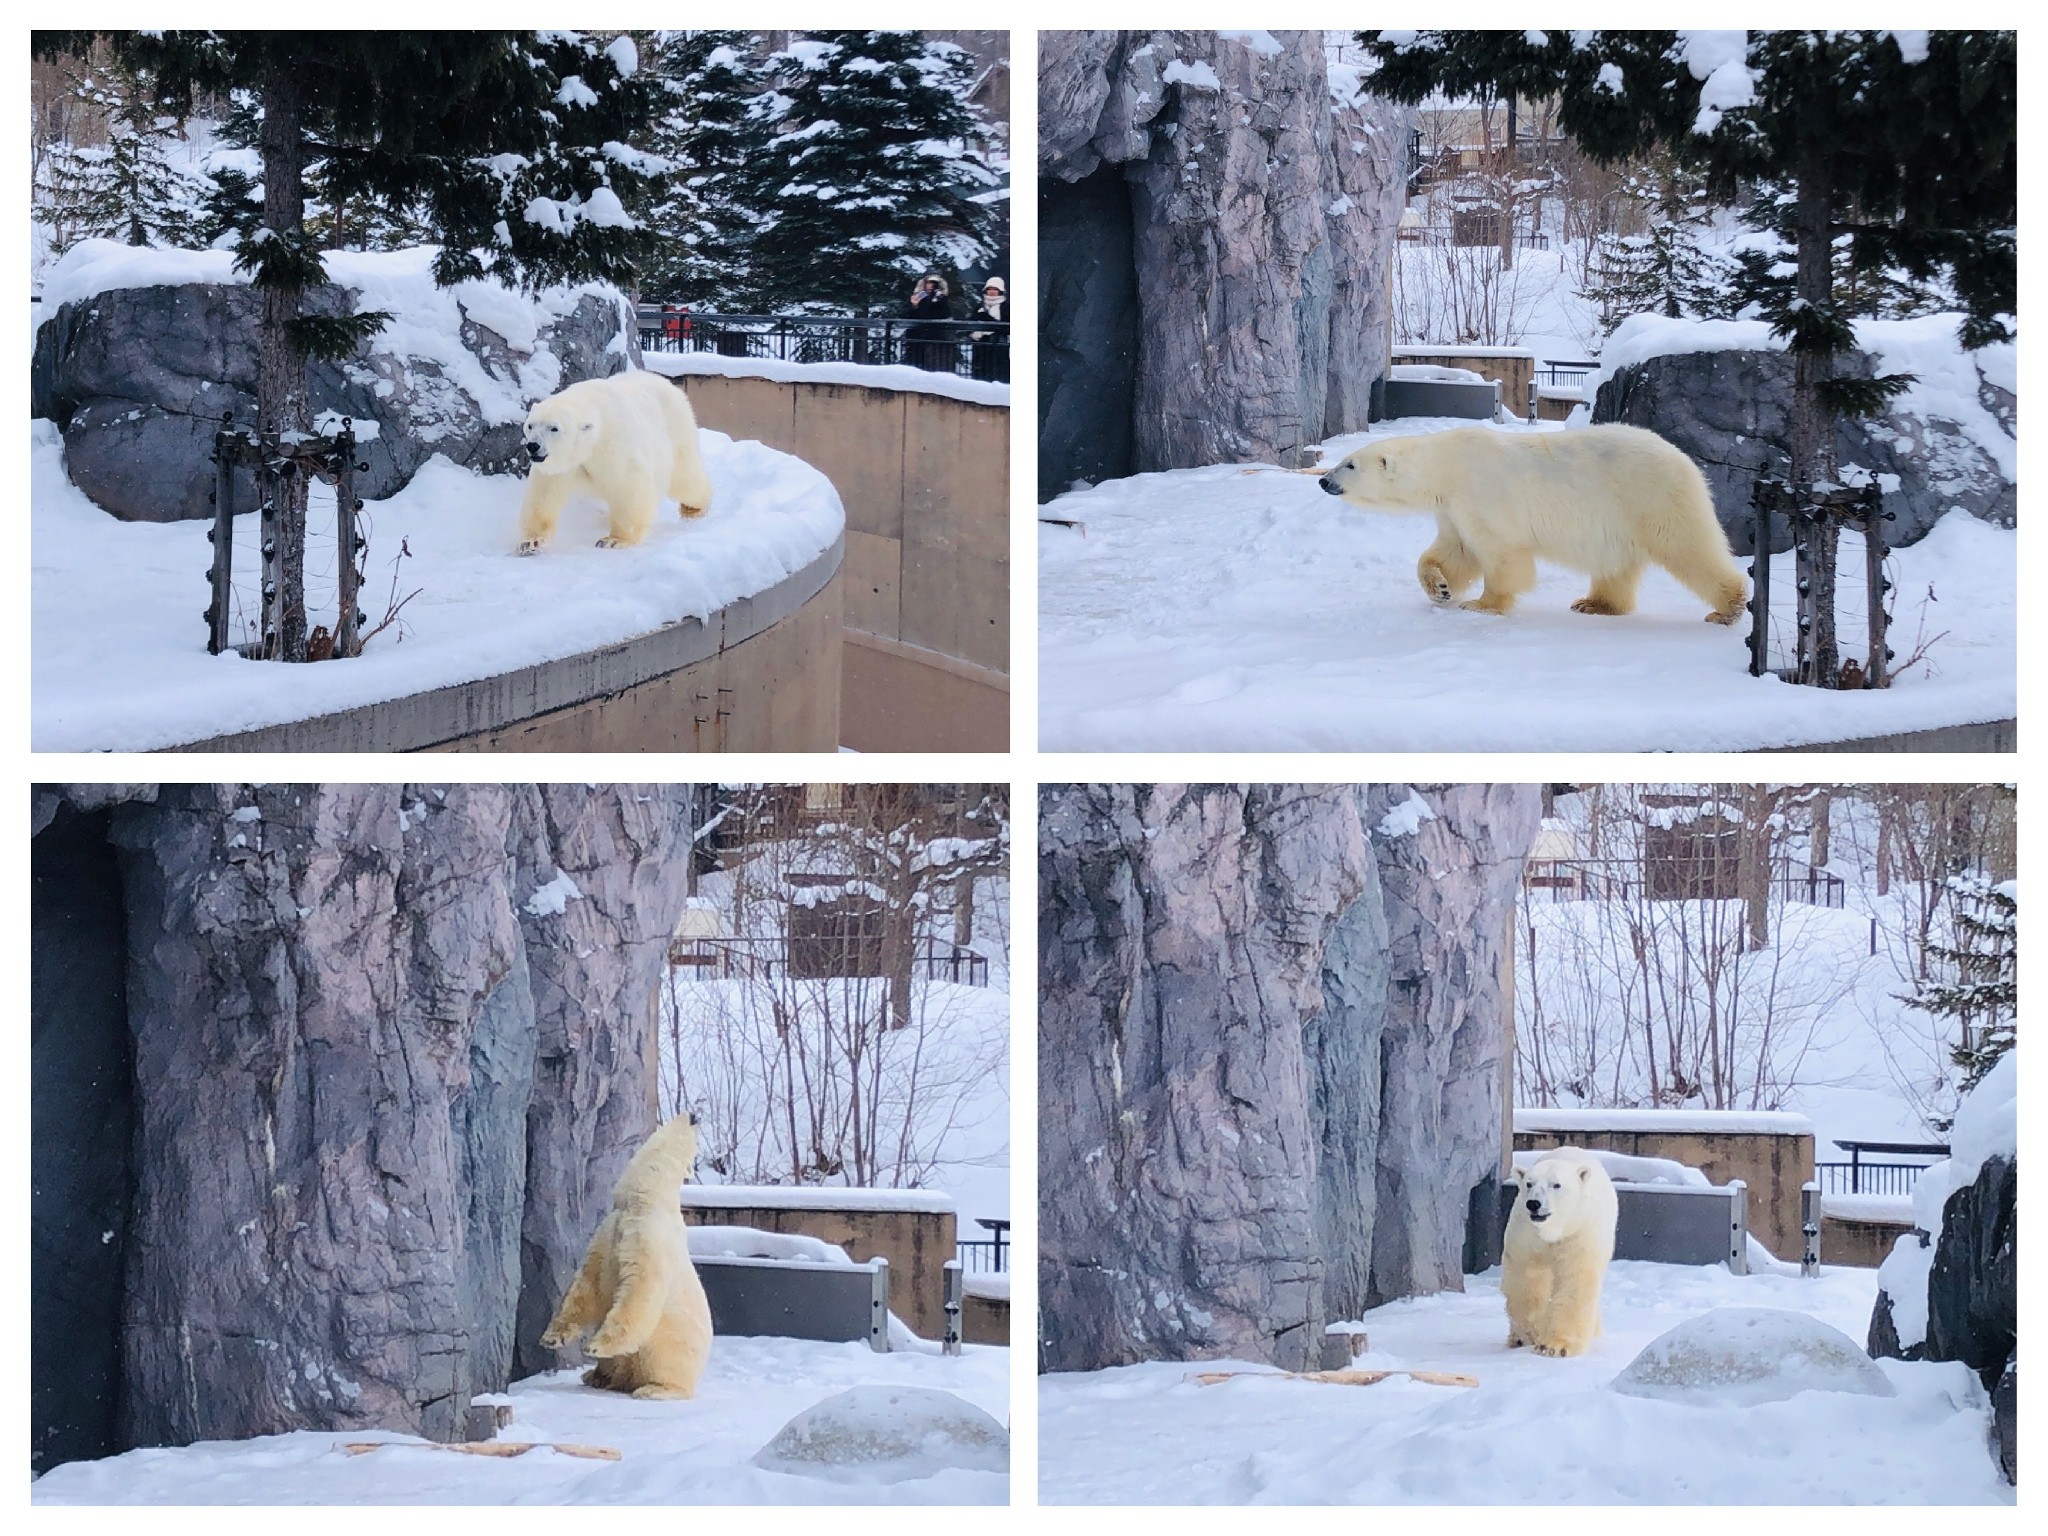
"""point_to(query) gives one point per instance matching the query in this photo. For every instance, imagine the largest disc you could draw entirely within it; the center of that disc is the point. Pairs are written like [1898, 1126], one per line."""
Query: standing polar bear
[1603, 500]
[637, 1287]
[626, 441]
[1560, 1238]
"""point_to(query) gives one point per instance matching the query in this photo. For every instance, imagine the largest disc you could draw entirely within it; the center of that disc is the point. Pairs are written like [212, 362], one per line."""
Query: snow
[1200, 75]
[1743, 1356]
[894, 376]
[1987, 1123]
[1432, 373]
[1145, 1434]
[1882, 1208]
[812, 1197]
[1405, 819]
[119, 658]
[1718, 61]
[1259, 42]
[1623, 1168]
[1232, 609]
[1710, 1122]
[696, 1452]
[753, 1243]
[980, 1282]
[553, 899]
[1903, 1277]
[888, 1435]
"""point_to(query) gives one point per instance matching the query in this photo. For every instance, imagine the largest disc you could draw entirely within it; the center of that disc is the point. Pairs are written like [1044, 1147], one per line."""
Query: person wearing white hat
[992, 348]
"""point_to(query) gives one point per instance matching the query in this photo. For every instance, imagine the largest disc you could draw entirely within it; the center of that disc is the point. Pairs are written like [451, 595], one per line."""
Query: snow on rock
[1406, 818]
[888, 1434]
[1987, 1123]
[1748, 1355]
[119, 658]
[753, 1243]
[891, 376]
[1219, 610]
[1903, 1278]
[553, 899]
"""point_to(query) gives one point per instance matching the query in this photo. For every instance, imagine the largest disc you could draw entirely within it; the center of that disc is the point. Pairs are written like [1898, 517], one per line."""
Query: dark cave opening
[1088, 332]
[81, 1110]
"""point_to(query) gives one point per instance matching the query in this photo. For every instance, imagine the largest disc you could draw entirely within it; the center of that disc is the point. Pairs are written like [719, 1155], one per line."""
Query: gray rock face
[1232, 1153]
[1262, 215]
[378, 1092]
[138, 379]
[1731, 411]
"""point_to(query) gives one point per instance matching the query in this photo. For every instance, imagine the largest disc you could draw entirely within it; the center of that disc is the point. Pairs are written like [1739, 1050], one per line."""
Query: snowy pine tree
[1981, 990]
[126, 189]
[711, 133]
[1666, 269]
[868, 176]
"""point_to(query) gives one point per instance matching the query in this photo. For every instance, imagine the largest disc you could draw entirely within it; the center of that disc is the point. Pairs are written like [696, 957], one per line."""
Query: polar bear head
[1386, 477]
[1562, 1193]
[561, 431]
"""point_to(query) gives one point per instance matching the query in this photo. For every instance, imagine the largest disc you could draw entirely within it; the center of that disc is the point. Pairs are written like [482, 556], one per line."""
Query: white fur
[1604, 500]
[627, 441]
[1559, 1242]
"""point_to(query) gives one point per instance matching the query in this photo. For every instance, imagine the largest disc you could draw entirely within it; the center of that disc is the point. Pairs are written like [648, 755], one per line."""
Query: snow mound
[753, 1243]
[1750, 1355]
[888, 1434]
[1987, 1123]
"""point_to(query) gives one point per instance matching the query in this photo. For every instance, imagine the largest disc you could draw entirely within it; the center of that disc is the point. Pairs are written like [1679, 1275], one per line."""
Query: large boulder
[379, 1090]
[1271, 1027]
[1937, 450]
[138, 378]
[1253, 191]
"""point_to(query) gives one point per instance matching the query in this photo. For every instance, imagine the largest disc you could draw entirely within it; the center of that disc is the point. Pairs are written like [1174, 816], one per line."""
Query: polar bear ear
[1585, 1172]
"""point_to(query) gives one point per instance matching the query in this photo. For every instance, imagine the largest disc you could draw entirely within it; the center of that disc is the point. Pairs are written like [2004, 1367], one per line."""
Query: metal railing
[1621, 879]
[1443, 234]
[768, 960]
[986, 1255]
[976, 349]
[1888, 1176]
[1555, 373]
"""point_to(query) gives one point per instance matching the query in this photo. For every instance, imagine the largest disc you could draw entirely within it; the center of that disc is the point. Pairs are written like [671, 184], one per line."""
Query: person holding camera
[930, 346]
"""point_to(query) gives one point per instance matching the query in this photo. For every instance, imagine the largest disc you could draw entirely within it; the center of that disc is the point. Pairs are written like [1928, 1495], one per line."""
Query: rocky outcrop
[1254, 198]
[1731, 412]
[390, 1049]
[1271, 1022]
[137, 379]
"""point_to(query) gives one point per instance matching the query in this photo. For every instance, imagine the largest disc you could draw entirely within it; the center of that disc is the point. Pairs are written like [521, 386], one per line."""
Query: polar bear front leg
[540, 508]
[583, 1308]
[1447, 567]
[1506, 579]
[632, 508]
[637, 1306]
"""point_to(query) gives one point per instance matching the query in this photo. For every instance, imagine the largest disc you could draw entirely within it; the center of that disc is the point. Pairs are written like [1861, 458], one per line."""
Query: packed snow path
[696, 1452]
[1535, 1430]
[1214, 610]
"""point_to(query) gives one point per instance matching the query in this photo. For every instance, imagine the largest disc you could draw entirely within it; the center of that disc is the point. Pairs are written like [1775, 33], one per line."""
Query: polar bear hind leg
[1447, 567]
[633, 506]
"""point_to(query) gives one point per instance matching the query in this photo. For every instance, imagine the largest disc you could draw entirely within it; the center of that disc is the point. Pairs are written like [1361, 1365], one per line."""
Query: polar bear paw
[1596, 605]
[668, 1393]
[528, 547]
[1436, 585]
[555, 1338]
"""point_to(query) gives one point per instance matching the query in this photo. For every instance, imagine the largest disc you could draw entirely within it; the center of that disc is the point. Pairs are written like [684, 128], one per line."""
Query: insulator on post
[1889, 653]
[362, 469]
[208, 615]
[269, 548]
[209, 535]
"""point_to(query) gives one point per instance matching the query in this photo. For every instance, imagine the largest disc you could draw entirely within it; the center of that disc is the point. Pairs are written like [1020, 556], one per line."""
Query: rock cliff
[1271, 1027]
[1217, 214]
[388, 1047]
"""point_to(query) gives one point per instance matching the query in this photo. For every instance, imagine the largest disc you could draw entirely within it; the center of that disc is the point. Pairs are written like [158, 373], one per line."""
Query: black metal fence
[768, 960]
[1557, 374]
[1621, 879]
[989, 1255]
[975, 349]
[1866, 1178]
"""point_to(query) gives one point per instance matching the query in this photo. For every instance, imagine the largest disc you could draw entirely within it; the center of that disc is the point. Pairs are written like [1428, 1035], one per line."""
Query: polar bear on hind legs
[1559, 1241]
[626, 441]
[1605, 500]
[637, 1287]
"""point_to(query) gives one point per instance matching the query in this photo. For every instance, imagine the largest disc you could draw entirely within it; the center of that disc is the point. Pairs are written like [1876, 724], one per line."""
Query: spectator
[992, 348]
[927, 345]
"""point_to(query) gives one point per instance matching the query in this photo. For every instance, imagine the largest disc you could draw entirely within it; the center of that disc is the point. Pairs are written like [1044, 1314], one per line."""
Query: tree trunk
[1753, 866]
[1823, 828]
[1812, 427]
[280, 365]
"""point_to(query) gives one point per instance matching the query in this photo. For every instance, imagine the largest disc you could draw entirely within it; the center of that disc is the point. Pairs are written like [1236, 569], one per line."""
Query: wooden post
[348, 545]
[1878, 673]
[1761, 499]
[222, 535]
[269, 489]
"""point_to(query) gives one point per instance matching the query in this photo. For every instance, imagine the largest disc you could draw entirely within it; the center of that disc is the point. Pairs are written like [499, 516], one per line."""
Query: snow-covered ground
[695, 1452]
[1535, 1430]
[119, 658]
[1216, 610]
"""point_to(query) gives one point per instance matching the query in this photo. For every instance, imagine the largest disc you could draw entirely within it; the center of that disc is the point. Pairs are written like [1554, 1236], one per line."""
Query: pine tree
[868, 175]
[518, 149]
[1666, 269]
[126, 189]
[711, 133]
[1981, 991]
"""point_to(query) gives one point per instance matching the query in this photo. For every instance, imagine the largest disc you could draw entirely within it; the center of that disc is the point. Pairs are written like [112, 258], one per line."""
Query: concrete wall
[985, 1319]
[1513, 369]
[916, 1244]
[1774, 1167]
[925, 480]
[1858, 1244]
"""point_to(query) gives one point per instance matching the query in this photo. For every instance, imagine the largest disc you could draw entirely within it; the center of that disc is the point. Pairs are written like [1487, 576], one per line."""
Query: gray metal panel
[1440, 397]
[797, 1300]
[1676, 1224]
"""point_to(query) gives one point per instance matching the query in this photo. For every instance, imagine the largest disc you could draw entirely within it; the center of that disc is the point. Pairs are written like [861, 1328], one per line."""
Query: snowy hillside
[1534, 1430]
[696, 1452]
[1224, 610]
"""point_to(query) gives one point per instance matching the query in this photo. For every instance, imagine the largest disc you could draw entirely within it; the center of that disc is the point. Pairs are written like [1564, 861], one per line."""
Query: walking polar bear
[1559, 1241]
[637, 1287]
[626, 441]
[1603, 500]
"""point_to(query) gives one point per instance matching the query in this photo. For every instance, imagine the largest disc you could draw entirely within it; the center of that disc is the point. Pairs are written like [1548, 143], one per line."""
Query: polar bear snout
[1330, 485]
[1536, 1211]
[534, 451]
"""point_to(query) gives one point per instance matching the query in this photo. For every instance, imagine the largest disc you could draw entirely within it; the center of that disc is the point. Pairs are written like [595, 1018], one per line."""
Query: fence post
[955, 1286]
[878, 1306]
[222, 535]
[1738, 1227]
[1809, 1227]
[1760, 582]
[348, 543]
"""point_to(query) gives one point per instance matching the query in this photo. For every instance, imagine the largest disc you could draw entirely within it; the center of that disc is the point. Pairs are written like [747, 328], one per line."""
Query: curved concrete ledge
[1986, 736]
[760, 675]
[925, 480]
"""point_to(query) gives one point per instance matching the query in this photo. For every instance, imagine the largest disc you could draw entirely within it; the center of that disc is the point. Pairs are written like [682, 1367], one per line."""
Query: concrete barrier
[925, 480]
[760, 675]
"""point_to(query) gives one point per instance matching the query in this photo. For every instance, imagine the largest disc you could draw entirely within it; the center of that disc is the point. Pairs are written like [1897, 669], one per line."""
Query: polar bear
[637, 1287]
[626, 441]
[1604, 500]
[1560, 1238]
